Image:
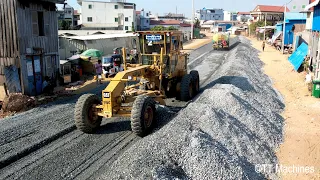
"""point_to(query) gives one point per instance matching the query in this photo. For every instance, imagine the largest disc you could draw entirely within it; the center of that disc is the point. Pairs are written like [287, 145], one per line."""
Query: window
[147, 14]
[303, 6]
[294, 7]
[126, 19]
[37, 23]
[89, 19]
[116, 6]
[126, 28]
[147, 21]
[116, 19]
[90, 6]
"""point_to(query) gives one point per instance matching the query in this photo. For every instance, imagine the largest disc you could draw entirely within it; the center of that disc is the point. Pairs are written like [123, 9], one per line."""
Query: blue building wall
[144, 20]
[316, 18]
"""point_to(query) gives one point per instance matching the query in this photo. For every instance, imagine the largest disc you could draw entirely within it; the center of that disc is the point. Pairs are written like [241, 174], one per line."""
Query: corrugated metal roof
[296, 16]
[89, 32]
[101, 36]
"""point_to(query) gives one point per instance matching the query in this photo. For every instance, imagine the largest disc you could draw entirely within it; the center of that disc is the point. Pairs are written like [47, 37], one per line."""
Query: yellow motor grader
[160, 73]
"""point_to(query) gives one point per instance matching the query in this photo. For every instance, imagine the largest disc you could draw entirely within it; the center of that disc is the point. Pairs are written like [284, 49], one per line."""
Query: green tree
[171, 28]
[158, 28]
[197, 24]
[254, 26]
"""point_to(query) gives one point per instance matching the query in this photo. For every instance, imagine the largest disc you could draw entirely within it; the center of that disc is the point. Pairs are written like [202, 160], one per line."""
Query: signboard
[29, 68]
[153, 37]
[297, 58]
[37, 66]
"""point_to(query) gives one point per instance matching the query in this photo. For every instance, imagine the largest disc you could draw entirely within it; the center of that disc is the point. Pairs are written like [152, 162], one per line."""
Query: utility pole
[192, 20]
[284, 27]
[265, 26]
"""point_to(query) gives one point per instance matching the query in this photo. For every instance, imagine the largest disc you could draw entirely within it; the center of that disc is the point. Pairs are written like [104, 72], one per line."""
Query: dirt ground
[301, 147]
[197, 43]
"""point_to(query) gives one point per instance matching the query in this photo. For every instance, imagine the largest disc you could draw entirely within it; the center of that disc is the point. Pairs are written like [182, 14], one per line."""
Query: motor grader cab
[161, 73]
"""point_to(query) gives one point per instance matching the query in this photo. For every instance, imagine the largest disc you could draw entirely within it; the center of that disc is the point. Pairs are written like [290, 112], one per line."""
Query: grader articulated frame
[162, 72]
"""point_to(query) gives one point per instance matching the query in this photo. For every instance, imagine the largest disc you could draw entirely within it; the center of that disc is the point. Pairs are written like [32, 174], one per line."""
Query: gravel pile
[231, 127]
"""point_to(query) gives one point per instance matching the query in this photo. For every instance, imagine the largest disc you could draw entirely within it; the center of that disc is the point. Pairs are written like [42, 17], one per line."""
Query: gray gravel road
[44, 144]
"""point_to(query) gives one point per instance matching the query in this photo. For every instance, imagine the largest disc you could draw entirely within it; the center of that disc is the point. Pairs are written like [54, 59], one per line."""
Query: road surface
[43, 143]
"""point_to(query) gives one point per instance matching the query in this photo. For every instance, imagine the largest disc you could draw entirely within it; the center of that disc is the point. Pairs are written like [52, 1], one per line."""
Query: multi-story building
[143, 20]
[66, 14]
[272, 14]
[230, 16]
[243, 16]
[113, 15]
[76, 17]
[210, 14]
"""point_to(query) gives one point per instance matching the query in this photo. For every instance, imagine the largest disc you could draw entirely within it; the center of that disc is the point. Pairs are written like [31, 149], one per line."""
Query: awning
[298, 56]
[316, 2]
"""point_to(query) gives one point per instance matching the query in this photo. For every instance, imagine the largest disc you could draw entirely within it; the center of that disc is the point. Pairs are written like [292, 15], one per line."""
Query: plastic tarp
[298, 56]
[276, 35]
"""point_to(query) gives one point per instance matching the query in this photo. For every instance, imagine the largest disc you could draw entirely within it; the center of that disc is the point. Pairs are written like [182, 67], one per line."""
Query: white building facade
[114, 15]
[210, 14]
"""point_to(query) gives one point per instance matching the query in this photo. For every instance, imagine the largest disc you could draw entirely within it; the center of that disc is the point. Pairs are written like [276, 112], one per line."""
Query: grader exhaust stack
[161, 73]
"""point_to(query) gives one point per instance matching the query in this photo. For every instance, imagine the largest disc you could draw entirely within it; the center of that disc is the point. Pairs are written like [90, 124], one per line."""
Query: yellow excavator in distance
[160, 73]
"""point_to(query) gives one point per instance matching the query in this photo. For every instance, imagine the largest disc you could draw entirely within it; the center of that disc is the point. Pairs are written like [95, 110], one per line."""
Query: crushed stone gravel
[230, 128]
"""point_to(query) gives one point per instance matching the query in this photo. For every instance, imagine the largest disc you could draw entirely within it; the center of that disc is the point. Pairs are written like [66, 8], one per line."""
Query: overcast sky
[185, 6]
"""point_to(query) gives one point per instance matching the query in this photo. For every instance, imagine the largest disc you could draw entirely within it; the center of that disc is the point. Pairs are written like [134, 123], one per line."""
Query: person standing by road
[263, 45]
[98, 67]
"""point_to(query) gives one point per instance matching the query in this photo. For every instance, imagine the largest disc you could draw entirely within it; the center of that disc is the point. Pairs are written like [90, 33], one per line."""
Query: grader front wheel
[195, 81]
[86, 119]
[143, 115]
[187, 88]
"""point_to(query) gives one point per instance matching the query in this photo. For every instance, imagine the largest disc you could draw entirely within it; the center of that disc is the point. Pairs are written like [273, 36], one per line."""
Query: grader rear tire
[195, 81]
[85, 120]
[143, 115]
[186, 90]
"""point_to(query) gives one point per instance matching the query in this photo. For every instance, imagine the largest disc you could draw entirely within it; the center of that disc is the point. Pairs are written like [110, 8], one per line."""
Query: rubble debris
[17, 102]
[231, 127]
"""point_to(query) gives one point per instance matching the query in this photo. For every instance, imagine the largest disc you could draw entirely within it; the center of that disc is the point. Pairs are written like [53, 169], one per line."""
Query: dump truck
[161, 73]
[221, 41]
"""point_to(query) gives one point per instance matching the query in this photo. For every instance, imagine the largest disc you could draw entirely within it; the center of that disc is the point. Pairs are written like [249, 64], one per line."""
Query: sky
[185, 6]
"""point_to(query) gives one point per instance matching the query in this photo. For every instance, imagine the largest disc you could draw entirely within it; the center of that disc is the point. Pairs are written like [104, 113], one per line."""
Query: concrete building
[66, 14]
[143, 20]
[243, 16]
[30, 51]
[298, 5]
[273, 14]
[113, 15]
[76, 17]
[230, 16]
[210, 14]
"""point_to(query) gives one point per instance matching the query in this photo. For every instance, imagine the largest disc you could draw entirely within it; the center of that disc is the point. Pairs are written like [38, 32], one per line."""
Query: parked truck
[221, 41]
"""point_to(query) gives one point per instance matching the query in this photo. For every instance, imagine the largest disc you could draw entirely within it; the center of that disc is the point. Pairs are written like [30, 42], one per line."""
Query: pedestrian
[98, 67]
[47, 88]
[263, 45]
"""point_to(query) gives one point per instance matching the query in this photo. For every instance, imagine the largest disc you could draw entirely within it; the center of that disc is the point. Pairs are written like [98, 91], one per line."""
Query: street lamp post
[192, 20]
[284, 27]
[265, 26]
